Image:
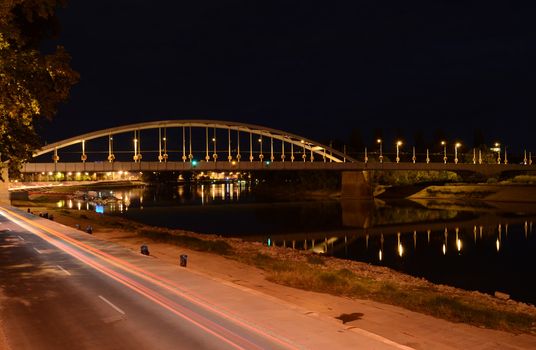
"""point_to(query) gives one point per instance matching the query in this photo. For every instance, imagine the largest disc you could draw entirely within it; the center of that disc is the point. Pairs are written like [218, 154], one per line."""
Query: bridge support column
[356, 185]
[4, 187]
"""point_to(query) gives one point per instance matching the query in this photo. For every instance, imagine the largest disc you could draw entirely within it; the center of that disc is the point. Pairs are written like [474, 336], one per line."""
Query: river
[474, 246]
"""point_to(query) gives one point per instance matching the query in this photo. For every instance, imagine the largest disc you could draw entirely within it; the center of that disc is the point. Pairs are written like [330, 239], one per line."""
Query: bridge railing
[265, 165]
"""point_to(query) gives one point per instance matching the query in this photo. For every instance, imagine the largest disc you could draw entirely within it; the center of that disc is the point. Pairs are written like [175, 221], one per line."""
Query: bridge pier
[4, 187]
[356, 185]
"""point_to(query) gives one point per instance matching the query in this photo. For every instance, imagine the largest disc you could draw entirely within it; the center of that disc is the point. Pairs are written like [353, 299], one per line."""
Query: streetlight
[261, 156]
[135, 150]
[379, 141]
[456, 146]
[444, 144]
[498, 150]
[398, 144]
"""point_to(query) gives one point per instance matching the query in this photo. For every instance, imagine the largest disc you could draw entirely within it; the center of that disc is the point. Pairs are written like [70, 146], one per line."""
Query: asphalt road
[64, 289]
[53, 300]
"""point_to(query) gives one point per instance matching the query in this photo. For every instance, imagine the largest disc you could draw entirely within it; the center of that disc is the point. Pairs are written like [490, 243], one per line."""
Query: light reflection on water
[486, 251]
[114, 201]
[470, 256]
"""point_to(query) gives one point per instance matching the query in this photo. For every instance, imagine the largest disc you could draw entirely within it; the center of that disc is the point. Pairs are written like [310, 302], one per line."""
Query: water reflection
[341, 241]
[475, 256]
[487, 250]
[122, 200]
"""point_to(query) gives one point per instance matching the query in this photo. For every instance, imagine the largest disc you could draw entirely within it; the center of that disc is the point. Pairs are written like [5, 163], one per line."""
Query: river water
[474, 246]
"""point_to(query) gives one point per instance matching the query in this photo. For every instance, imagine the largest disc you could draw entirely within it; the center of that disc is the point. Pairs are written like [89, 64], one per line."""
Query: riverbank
[272, 270]
[519, 193]
[501, 192]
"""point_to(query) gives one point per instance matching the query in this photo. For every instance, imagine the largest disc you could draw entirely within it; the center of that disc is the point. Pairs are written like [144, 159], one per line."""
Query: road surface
[63, 289]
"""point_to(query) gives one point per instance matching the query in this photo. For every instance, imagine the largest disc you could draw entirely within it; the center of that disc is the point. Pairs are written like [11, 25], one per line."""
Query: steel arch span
[307, 145]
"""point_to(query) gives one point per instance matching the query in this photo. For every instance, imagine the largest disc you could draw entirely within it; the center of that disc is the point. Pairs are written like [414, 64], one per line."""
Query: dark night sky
[313, 68]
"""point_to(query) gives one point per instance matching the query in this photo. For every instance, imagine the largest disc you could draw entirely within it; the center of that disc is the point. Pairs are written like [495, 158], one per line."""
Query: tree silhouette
[32, 84]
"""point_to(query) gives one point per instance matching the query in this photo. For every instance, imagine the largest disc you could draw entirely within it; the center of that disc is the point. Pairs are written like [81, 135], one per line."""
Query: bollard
[29, 211]
[183, 260]
[144, 249]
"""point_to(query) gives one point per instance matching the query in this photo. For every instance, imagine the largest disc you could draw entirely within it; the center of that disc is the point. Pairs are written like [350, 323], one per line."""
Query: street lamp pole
[498, 147]
[379, 141]
[444, 144]
[398, 144]
[135, 150]
[456, 146]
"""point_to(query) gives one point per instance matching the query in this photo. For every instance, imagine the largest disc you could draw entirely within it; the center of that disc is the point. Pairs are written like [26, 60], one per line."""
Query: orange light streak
[148, 293]
[146, 275]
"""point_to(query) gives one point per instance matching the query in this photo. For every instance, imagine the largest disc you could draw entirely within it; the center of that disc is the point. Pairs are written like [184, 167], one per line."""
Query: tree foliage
[32, 83]
[403, 177]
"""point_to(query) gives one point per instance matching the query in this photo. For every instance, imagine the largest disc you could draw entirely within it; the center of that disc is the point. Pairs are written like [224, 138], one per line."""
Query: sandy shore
[406, 327]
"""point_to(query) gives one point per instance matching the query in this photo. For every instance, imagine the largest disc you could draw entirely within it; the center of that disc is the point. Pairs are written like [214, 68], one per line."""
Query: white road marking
[61, 268]
[112, 305]
[22, 239]
[37, 250]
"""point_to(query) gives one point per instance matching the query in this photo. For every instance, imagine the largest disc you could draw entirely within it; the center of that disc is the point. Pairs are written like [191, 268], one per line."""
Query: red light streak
[142, 290]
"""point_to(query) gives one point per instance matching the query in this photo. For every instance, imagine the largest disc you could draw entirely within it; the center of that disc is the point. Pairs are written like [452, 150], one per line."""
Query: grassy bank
[308, 271]
[314, 275]
[217, 246]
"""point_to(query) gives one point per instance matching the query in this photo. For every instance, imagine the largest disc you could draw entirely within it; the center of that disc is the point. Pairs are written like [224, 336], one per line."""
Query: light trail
[175, 308]
[140, 289]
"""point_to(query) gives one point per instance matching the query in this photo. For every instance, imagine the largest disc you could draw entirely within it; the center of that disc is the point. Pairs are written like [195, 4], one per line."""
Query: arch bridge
[252, 142]
[213, 145]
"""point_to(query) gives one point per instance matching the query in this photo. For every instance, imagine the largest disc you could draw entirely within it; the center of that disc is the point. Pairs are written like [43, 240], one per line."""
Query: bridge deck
[257, 165]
